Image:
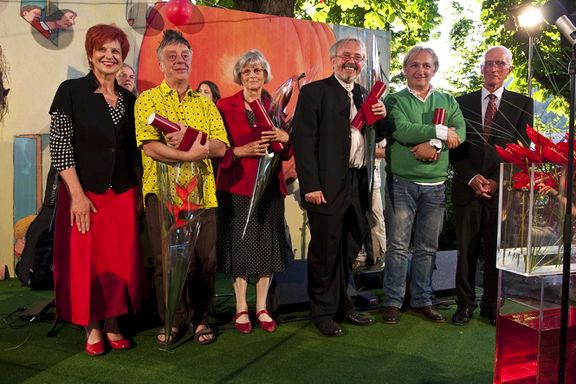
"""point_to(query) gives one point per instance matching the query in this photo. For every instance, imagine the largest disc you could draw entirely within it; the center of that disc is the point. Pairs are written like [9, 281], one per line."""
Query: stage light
[529, 17]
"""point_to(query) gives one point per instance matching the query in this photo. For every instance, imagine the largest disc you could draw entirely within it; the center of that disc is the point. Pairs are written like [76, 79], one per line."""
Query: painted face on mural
[107, 59]
[495, 68]
[253, 76]
[32, 14]
[67, 20]
[205, 90]
[419, 71]
[175, 62]
[126, 78]
[348, 62]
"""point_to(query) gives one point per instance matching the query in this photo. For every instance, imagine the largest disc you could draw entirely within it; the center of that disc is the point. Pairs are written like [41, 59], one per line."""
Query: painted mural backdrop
[46, 18]
[219, 37]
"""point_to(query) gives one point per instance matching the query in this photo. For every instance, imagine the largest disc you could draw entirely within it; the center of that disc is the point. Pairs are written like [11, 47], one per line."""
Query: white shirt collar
[347, 86]
[432, 89]
[497, 93]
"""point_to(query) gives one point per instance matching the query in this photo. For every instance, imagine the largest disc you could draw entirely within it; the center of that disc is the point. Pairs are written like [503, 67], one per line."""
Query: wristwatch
[438, 145]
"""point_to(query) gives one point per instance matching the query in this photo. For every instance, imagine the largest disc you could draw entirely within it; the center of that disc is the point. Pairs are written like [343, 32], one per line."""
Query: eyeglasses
[498, 64]
[256, 71]
[171, 57]
[349, 57]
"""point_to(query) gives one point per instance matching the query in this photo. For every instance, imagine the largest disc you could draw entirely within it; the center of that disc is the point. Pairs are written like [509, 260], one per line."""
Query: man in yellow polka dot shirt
[176, 101]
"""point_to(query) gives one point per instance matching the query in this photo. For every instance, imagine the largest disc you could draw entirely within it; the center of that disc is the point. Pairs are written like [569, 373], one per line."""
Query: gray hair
[253, 56]
[171, 37]
[506, 52]
[334, 48]
[417, 50]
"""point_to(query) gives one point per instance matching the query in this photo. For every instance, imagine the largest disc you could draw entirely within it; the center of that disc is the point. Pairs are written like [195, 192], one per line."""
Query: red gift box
[365, 114]
[166, 126]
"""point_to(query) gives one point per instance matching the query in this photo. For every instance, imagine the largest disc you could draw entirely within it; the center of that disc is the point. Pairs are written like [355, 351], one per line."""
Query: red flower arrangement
[185, 205]
[545, 152]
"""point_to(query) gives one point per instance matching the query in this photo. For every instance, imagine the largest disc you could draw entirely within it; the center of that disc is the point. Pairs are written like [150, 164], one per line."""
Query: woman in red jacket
[263, 251]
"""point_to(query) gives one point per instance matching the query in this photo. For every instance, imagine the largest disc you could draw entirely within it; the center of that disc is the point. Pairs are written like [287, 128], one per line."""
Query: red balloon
[179, 12]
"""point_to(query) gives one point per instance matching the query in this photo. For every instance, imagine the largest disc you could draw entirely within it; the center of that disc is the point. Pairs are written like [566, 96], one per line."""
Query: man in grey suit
[494, 116]
[332, 170]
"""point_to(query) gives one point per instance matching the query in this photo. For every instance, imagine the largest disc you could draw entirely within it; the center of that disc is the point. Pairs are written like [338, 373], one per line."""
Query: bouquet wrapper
[166, 126]
[365, 114]
[439, 116]
[263, 123]
[180, 192]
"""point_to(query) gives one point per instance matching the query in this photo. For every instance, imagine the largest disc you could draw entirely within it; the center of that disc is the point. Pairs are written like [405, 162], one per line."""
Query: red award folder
[263, 123]
[166, 126]
[365, 114]
[439, 116]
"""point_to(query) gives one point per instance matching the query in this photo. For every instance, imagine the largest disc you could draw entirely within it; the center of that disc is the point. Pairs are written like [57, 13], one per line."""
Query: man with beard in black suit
[332, 171]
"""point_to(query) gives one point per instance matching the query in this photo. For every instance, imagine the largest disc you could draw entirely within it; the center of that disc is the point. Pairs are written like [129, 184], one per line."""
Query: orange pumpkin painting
[219, 37]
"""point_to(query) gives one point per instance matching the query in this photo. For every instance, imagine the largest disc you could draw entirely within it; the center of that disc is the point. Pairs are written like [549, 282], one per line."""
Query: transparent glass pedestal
[528, 329]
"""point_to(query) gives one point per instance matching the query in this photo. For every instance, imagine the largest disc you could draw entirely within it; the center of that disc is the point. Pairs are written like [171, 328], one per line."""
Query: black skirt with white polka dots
[263, 250]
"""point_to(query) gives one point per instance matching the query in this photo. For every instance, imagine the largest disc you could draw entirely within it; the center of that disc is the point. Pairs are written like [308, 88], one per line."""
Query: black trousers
[198, 292]
[476, 233]
[335, 241]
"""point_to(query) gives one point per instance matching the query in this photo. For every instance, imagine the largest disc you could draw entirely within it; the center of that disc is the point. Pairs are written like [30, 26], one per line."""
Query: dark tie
[489, 117]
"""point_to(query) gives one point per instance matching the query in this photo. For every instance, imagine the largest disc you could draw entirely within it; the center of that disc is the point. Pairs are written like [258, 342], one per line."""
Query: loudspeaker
[444, 275]
[289, 287]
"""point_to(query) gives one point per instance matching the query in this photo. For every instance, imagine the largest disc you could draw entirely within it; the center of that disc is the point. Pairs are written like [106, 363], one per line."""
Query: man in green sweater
[417, 169]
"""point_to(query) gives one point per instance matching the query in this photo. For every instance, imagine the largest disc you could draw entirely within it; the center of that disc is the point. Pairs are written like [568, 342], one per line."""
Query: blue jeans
[413, 212]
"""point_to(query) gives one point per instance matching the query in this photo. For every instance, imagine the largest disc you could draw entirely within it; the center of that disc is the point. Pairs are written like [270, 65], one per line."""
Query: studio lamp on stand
[529, 18]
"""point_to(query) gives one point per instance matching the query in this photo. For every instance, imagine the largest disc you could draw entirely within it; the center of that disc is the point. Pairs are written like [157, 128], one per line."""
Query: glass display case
[528, 330]
[531, 218]
[532, 207]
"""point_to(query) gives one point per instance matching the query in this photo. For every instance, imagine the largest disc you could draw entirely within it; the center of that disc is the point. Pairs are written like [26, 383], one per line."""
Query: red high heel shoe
[96, 349]
[268, 326]
[122, 343]
[242, 327]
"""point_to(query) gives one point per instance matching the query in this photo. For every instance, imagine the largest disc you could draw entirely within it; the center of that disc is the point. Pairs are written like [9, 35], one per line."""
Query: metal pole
[530, 56]
[567, 227]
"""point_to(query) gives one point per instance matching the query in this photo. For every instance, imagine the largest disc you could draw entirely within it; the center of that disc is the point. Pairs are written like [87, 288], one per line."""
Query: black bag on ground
[35, 265]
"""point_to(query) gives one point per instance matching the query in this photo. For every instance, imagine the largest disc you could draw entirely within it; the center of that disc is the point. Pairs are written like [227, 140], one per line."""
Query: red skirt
[99, 274]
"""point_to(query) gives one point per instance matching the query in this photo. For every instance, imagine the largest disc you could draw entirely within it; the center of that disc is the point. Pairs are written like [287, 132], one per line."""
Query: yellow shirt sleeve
[142, 109]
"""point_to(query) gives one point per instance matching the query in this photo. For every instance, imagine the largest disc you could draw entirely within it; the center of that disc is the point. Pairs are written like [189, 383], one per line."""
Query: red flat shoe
[122, 343]
[242, 327]
[268, 326]
[96, 349]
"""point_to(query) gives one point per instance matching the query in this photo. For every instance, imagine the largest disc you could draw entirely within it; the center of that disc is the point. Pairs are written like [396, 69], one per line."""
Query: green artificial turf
[413, 351]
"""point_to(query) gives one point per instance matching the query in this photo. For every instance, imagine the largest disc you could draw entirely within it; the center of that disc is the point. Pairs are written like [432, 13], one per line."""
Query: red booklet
[263, 123]
[365, 114]
[439, 116]
[166, 126]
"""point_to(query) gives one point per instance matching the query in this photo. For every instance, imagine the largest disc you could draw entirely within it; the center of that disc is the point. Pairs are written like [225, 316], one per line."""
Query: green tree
[409, 21]
[499, 27]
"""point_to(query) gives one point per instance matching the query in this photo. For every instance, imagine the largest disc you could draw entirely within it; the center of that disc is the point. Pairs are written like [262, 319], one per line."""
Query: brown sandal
[175, 335]
[206, 332]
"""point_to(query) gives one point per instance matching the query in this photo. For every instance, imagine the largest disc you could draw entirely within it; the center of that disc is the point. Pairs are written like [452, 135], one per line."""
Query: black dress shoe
[462, 315]
[488, 313]
[391, 315]
[358, 319]
[329, 328]
[430, 313]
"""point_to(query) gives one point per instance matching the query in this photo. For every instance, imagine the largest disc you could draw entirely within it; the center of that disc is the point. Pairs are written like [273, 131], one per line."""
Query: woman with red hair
[98, 271]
